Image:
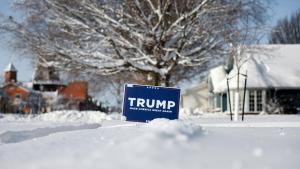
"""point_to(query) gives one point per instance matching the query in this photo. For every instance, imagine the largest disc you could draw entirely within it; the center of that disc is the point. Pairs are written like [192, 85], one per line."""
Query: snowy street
[66, 141]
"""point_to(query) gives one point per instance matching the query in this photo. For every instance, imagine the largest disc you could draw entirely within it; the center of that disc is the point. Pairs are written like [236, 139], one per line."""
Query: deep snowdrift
[89, 140]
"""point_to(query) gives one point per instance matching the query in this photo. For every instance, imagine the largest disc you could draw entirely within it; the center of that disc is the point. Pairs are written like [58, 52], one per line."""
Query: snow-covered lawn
[70, 139]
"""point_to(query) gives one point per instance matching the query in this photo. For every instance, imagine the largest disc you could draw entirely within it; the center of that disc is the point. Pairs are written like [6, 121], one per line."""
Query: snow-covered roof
[194, 89]
[10, 68]
[278, 66]
[217, 75]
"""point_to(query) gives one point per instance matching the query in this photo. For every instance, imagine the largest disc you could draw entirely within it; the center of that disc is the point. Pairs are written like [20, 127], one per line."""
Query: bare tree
[116, 85]
[287, 30]
[240, 55]
[159, 38]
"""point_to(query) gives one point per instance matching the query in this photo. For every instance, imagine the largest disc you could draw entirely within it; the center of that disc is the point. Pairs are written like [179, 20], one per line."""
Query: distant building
[76, 90]
[46, 79]
[196, 97]
[10, 74]
[75, 94]
[16, 94]
[47, 93]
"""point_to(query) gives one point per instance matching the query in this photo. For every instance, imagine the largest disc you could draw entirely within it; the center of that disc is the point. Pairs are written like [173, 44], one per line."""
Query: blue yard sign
[145, 103]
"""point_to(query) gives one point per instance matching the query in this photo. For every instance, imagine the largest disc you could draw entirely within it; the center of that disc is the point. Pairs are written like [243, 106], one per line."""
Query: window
[241, 100]
[259, 100]
[218, 105]
[18, 96]
[255, 101]
[251, 100]
[217, 101]
[233, 100]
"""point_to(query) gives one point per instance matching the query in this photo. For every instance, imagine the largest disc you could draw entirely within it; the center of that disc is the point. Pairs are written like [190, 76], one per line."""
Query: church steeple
[10, 73]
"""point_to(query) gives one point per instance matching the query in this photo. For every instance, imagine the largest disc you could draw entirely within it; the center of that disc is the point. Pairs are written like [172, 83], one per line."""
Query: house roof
[278, 66]
[201, 86]
[217, 75]
[10, 68]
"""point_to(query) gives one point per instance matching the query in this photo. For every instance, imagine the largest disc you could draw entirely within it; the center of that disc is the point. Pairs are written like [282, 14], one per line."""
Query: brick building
[47, 93]
[16, 95]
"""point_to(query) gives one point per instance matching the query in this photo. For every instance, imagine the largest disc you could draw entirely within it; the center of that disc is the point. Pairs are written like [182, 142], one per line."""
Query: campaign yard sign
[144, 103]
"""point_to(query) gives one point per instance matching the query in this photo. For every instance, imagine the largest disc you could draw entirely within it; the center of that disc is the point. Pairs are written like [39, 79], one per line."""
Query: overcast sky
[281, 8]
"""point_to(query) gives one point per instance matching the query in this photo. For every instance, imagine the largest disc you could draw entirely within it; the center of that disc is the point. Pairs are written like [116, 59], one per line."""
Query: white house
[273, 81]
[196, 97]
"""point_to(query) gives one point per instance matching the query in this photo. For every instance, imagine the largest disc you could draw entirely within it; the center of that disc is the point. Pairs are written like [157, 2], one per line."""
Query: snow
[47, 82]
[217, 74]
[66, 116]
[71, 139]
[19, 136]
[177, 130]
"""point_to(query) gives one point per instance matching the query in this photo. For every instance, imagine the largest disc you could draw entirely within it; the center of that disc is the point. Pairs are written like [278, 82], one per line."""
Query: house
[195, 97]
[46, 79]
[273, 82]
[202, 97]
[16, 94]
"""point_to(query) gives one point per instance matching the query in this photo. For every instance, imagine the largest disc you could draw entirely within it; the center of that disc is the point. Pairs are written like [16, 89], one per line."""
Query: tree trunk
[237, 98]
[158, 80]
[168, 77]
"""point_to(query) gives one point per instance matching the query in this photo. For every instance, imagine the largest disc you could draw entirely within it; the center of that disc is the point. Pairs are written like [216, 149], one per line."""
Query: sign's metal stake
[229, 99]
[245, 86]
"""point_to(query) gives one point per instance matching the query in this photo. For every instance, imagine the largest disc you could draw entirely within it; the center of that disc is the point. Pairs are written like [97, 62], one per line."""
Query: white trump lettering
[140, 102]
[171, 104]
[131, 100]
[152, 103]
[161, 104]
[158, 104]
